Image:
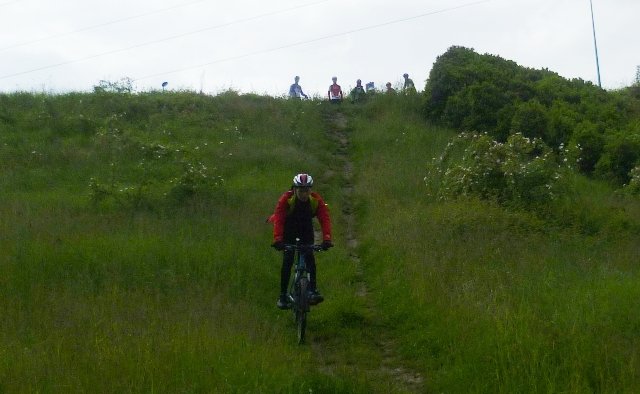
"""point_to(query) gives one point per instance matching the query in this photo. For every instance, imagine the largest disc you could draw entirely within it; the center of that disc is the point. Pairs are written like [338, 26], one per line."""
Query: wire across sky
[252, 45]
[219, 26]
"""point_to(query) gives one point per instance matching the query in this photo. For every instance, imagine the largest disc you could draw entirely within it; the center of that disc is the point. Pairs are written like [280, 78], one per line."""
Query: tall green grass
[484, 299]
[149, 291]
[122, 271]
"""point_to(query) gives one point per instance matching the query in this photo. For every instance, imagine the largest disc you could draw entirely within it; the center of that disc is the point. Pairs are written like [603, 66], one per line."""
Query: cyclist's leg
[285, 274]
[315, 295]
[285, 271]
[310, 260]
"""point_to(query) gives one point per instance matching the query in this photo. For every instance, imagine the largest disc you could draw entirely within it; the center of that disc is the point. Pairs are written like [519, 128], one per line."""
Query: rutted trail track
[389, 367]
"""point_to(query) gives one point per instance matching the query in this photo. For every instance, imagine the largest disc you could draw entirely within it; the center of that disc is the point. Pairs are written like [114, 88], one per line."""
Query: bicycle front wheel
[303, 307]
[302, 326]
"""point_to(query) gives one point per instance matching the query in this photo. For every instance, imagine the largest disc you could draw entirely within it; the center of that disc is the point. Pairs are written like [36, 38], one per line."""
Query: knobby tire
[302, 308]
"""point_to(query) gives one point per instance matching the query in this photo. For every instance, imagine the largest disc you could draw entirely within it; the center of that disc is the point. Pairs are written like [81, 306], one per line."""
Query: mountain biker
[293, 219]
[409, 87]
[295, 90]
[335, 91]
[358, 93]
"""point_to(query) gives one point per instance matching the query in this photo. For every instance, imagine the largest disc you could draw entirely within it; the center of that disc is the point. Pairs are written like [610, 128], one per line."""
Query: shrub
[144, 174]
[530, 119]
[590, 142]
[633, 187]
[562, 122]
[484, 100]
[195, 178]
[521, 171]
[620, 155]
[124, 85]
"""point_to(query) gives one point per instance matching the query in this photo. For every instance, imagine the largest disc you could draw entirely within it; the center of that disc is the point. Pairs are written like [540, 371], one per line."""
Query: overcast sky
[260, 45]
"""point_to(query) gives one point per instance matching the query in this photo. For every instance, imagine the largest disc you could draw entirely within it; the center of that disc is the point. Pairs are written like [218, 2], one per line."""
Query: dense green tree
[562, 121]
[620, 156]
[484, 100]
[530, 119]
[447, 77]
[590, 143]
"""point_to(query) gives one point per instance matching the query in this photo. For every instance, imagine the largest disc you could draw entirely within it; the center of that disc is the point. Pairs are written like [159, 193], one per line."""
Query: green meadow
[134, 256]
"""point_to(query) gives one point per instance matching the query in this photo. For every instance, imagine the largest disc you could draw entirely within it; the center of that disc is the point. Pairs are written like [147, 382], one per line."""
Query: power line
[260, 52]
[396, 21]
[161, 40]
[93, 27]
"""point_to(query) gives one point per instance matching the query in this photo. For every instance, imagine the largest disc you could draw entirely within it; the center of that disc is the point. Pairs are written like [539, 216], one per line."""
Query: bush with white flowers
[522, 171]
[633, 187]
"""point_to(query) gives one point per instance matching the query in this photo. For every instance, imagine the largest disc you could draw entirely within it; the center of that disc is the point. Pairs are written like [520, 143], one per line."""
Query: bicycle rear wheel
[303, 307]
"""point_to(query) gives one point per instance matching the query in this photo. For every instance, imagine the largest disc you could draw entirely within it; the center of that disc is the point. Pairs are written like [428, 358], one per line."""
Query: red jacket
[284, 207]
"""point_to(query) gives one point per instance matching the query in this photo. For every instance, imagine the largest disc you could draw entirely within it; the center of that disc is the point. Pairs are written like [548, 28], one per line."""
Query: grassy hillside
[488, 299]
[122, 270]
[135, 257]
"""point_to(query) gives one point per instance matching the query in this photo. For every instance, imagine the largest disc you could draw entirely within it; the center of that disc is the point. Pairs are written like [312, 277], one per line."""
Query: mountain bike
[299, 288]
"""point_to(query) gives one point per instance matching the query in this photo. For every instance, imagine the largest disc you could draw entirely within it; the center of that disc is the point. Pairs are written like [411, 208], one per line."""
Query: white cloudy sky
[260, 45]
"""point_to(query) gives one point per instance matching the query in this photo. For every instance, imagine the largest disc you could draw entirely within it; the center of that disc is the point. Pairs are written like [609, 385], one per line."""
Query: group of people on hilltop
[408, 87]
[357, 94]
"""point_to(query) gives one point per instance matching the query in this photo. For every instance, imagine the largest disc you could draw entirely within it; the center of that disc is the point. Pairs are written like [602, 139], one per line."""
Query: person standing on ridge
[293, 219]
[295, 90]
[335, 91]
[409, 87]
[390, 90]
[358, 93]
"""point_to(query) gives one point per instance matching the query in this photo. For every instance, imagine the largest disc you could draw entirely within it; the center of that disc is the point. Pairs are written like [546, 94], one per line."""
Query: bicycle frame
[298, 288]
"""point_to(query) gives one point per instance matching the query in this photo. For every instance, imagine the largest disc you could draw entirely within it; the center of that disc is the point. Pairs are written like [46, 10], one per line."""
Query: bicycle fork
[298, 295]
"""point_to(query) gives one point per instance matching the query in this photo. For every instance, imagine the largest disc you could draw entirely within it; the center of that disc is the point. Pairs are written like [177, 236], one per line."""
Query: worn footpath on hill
[373, 335]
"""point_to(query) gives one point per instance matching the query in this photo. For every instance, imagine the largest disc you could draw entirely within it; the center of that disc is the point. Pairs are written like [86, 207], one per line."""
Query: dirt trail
[391, 365]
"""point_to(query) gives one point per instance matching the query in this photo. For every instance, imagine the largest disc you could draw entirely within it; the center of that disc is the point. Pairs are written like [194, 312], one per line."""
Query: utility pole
[637, 75]
[595, 44]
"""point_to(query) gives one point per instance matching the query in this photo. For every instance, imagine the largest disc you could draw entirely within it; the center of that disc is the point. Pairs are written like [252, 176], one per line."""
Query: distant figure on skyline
[409, 87]
[335, 91]
[295, 91]
[358, 94]
[390, 90]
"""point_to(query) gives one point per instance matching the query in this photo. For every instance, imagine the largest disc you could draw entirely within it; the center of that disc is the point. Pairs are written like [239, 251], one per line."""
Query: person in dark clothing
[293, 219]
[409, 87]
[358, 93]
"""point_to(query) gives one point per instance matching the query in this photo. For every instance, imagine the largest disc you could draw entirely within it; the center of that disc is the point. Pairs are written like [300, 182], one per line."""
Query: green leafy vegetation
[488, 94]
[135, 257]
[487, 293]
[497, 244]
[521, 171]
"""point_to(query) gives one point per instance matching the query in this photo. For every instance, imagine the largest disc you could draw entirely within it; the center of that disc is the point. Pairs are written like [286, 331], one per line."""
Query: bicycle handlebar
[316, 248]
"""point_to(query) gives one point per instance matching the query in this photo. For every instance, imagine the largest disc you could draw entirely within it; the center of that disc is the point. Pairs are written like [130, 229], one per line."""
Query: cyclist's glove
[326, 245]
[278, 245]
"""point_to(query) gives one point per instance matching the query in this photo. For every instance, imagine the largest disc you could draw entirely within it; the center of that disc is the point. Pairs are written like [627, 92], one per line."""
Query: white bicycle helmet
[302, 180]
